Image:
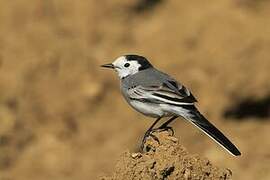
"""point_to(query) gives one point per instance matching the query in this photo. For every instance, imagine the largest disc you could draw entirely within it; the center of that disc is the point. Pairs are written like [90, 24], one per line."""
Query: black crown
[145, 64]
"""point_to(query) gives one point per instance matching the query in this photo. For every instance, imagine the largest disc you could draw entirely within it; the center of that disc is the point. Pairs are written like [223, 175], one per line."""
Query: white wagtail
[156, 94]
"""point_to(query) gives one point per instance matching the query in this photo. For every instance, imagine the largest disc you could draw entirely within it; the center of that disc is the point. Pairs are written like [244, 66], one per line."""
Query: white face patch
[124, 67]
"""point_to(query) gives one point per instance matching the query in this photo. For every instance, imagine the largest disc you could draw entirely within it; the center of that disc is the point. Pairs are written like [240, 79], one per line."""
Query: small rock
[136, 155]
[173, 139]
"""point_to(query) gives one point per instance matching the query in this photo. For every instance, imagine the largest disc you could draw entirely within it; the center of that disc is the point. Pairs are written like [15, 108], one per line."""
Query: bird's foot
[147, 134]
[165, 128]
[150, 132]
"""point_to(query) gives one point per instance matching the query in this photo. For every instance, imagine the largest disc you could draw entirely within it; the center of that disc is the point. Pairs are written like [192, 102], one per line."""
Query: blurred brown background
[63, 117]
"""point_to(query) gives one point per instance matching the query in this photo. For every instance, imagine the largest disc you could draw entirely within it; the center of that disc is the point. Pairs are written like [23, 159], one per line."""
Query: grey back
[147, 77]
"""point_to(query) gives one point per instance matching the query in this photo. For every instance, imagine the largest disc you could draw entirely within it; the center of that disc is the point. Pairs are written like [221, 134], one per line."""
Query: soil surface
[166, 159]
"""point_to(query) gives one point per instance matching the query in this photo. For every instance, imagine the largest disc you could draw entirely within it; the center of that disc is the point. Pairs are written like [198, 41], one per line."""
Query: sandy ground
[166, 159]
[62, 117]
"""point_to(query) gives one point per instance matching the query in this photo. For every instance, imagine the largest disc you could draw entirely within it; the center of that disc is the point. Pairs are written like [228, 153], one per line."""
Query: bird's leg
[165, 126]
[148, 133]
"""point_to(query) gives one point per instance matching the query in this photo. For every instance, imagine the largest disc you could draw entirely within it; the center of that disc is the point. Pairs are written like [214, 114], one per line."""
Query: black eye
[127, 65]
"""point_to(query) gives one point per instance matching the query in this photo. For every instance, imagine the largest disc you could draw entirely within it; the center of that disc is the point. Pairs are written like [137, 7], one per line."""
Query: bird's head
[128, 65]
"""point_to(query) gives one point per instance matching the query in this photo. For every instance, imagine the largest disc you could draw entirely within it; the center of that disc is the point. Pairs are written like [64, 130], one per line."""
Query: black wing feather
[203, 124]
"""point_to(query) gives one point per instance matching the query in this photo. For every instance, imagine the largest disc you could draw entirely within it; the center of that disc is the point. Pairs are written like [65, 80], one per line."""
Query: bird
[158, 95]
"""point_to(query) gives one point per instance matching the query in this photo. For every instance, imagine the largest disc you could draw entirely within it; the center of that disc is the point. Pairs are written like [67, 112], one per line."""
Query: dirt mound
[167, 159]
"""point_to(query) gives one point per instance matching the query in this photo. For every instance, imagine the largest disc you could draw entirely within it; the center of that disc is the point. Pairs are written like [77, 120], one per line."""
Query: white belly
[148, 109]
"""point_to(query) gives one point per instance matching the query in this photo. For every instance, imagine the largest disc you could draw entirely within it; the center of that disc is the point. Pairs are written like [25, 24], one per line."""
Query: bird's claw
[146, 135]
[166, 128]
[150, 133]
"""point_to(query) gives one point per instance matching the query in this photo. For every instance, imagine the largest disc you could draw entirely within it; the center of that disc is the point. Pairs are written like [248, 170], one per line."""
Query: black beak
[110, 65]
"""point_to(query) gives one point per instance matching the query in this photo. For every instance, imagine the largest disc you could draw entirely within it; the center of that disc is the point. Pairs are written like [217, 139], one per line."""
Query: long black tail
[196, 118]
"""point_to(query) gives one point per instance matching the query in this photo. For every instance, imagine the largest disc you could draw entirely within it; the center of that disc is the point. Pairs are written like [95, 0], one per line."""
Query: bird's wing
[169, 92]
